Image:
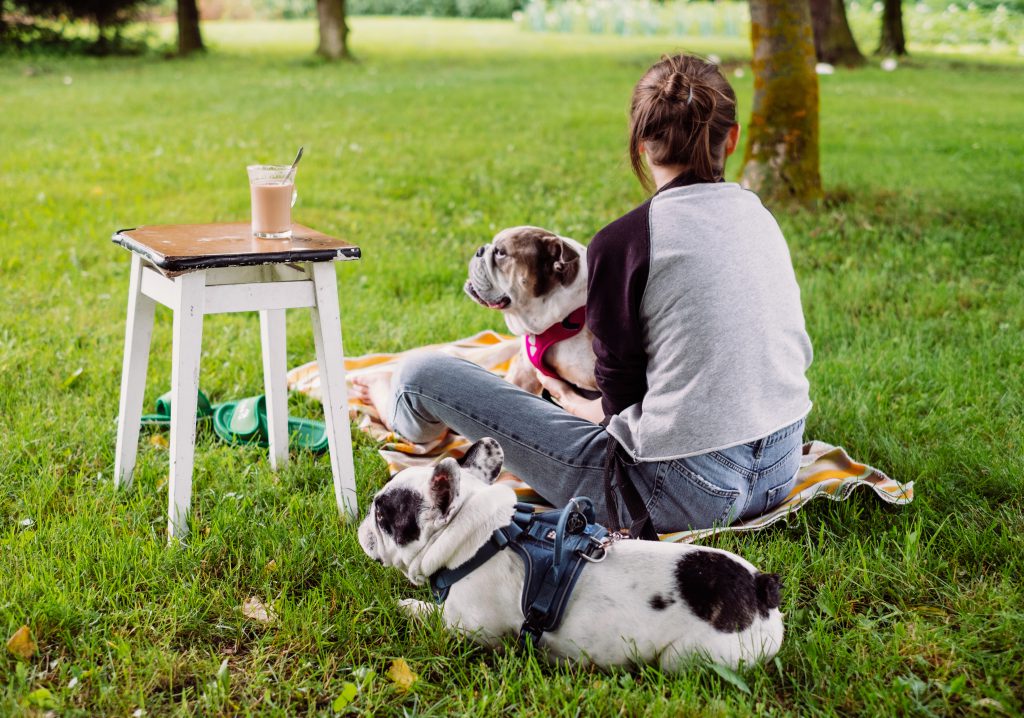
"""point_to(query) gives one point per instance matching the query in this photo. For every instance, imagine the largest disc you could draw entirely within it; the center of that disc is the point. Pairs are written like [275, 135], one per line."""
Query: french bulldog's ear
[567, 266]
[484, 458]
[444, 485]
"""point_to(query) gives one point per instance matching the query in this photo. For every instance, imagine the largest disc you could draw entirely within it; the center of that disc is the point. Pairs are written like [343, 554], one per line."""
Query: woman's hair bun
[682, 111]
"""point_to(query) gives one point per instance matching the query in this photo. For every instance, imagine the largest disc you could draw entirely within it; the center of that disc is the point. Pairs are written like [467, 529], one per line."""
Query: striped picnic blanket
[825, 470]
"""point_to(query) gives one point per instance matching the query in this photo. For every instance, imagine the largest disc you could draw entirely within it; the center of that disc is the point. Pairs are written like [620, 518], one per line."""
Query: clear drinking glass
[272, 189]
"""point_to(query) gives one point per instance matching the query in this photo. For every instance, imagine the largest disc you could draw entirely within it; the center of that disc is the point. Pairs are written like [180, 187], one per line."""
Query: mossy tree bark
[892, 40]
[333, 30]
[833, 39]
[189, 38]
[781, 160]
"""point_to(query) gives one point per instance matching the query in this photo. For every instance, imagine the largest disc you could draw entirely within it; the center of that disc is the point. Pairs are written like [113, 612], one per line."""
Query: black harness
[554, 546]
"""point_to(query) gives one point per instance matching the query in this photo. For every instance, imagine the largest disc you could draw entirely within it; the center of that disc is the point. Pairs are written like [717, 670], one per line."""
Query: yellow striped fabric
[825, 470]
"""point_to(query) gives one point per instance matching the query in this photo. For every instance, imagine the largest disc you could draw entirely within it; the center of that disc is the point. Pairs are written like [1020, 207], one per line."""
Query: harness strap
[538, 344]
[617, 482]
[442, 581]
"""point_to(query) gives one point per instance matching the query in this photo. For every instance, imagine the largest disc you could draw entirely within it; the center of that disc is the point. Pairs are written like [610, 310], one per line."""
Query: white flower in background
[823, 68]
[889, 64]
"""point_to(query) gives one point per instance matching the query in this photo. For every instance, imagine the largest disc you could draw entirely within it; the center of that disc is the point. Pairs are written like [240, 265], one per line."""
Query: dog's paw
[418, 610]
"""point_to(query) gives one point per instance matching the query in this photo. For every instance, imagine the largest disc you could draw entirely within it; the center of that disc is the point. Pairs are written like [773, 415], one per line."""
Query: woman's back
[720, 322]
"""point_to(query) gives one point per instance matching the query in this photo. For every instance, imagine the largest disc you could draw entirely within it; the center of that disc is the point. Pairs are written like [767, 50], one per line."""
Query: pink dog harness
[538, 344]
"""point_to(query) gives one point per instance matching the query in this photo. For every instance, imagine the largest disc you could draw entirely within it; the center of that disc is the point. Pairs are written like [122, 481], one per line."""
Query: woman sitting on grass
[699, 335]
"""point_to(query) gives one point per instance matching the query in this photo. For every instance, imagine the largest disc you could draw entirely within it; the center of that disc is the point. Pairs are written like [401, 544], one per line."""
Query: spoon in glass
[295, 163]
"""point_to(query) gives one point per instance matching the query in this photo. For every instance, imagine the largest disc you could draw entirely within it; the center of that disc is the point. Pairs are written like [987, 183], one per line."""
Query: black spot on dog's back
[659, 602]
[723, 592]
[398, 513]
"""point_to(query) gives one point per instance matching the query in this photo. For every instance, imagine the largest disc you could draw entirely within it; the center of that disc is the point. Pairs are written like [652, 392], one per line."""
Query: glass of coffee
[272, 188]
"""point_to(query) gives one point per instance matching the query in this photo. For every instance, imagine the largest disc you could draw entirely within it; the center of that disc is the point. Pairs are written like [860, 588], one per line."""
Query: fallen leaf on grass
[271, 566]
[255, 609]
[40, 698]
[401, 675]
[159, 440]
[21, 643]
[347, 695]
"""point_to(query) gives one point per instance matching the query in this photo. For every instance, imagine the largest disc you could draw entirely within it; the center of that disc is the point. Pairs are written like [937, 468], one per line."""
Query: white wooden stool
[215, 268]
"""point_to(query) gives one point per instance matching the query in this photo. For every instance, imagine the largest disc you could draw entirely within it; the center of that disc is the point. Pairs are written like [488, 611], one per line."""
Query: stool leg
[188, 340]
[137, 335]
[330, 358]
[275, 372]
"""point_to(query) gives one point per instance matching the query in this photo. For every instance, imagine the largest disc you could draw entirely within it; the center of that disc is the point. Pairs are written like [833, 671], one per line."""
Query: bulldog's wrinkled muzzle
[481, 286]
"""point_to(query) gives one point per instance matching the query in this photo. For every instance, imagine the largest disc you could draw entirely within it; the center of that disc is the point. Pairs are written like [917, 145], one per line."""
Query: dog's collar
[538, 344]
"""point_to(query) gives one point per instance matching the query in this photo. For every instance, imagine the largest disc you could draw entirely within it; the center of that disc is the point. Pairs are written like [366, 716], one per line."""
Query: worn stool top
[179, 248]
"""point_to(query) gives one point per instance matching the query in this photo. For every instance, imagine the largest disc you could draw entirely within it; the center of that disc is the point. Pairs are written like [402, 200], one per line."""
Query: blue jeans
[561, 455]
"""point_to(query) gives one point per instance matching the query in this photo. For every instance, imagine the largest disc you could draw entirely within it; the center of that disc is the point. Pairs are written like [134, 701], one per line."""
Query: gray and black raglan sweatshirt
[697, 323]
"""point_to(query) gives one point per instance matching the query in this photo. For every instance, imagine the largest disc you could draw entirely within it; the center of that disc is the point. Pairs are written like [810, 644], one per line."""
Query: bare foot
[374, 390]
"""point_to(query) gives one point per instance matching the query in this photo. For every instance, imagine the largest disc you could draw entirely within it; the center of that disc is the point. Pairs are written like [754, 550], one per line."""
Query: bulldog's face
[420, 501]
[521, 268]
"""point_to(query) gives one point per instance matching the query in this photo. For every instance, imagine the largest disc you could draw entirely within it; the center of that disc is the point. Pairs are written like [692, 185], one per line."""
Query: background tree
[781, 160]
[333, 29]
[833, 40]
[189, 38]
[107, 15]
[892, 40]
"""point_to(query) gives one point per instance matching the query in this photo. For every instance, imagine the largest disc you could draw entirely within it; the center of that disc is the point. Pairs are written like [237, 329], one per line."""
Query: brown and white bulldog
[538, 280]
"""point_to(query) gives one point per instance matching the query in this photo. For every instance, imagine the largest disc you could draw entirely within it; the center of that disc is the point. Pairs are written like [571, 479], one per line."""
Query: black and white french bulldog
[536, 279]
[646, 602]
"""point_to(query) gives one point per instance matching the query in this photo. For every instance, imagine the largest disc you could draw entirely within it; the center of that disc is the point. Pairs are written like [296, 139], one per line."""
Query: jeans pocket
[686, 500]
[781, 478]
[778, 494]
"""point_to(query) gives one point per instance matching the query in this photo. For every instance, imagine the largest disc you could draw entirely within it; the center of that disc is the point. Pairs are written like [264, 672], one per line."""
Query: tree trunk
[892, 41]
[833, 40]
[781, 160]
[333, 29]
[189, 38]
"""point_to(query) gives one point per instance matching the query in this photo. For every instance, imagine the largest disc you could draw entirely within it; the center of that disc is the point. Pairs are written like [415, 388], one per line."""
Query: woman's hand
[568, 399]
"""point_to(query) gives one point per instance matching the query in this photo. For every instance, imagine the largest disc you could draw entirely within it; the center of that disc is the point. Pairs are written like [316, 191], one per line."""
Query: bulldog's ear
[444, 485]
[484, 458]
[567, 265]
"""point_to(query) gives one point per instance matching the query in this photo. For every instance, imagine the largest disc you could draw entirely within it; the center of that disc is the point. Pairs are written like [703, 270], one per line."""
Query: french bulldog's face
[520, 267]
[420, 501]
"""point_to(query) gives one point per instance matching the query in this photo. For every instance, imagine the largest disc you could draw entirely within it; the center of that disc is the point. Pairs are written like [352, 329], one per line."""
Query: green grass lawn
[443, 133]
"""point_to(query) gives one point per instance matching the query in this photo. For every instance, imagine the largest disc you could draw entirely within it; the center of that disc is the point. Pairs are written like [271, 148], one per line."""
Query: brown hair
[682, 111]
